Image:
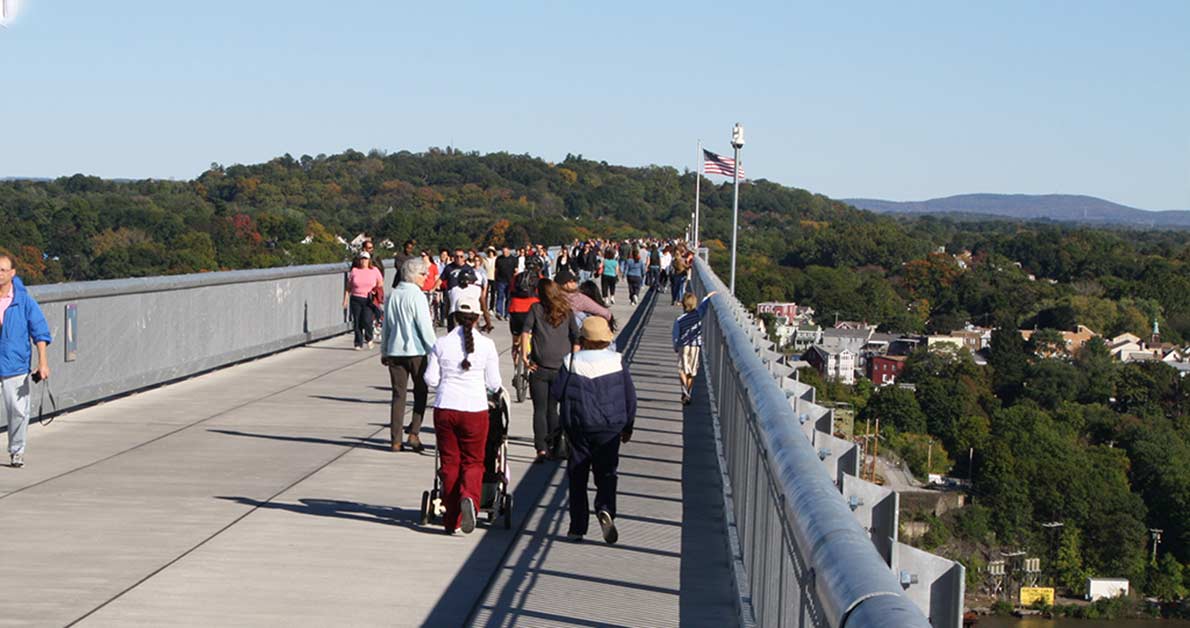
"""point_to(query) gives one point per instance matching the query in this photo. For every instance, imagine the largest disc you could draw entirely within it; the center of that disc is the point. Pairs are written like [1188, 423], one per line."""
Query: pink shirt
[5, 301]
[360, 281]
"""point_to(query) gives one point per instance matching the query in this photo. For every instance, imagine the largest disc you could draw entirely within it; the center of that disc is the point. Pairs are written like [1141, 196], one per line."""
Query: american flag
[714, 164]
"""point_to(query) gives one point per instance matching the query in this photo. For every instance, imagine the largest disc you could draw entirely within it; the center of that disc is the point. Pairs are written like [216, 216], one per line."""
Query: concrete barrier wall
[876, 509]
[932, 582]
[134, 333]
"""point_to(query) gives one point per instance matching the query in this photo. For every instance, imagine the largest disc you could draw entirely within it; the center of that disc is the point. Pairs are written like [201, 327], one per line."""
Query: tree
[1069, 565]
[1166, 580]
[1009, 362]
[1053, 381]
[895, 407]
[923, 454]
[1098, 369]
[1006, 496]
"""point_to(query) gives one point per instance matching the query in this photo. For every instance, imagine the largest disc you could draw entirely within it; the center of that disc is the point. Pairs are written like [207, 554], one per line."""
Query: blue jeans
[584, 276]
[501, 298]
[678, 282]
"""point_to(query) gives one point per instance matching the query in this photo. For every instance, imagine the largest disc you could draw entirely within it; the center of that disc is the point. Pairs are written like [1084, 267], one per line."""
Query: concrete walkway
[265, 494]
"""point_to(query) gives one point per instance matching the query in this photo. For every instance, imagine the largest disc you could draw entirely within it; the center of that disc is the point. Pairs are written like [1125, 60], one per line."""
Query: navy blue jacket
[596, 393]
[23, 321]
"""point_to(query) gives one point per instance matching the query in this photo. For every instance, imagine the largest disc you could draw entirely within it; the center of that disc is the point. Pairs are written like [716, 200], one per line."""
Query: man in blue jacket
[598, 408]
[21, 320]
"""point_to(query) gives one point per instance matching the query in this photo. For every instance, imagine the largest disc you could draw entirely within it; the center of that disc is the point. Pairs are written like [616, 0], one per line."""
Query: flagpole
[697, 191]
[737, 142]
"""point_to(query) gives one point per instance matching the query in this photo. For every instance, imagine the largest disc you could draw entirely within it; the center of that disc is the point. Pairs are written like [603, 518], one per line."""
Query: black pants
[361, 316]
[633, 288]
[400, 369]
[444, 309]
[589, 457]
[609, 285]
[545, 410]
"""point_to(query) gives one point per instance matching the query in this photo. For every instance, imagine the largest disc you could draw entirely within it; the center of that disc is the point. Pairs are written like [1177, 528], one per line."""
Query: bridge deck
[264, 494]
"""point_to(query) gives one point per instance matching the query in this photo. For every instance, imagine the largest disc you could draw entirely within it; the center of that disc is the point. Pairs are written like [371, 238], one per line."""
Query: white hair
[413, 267]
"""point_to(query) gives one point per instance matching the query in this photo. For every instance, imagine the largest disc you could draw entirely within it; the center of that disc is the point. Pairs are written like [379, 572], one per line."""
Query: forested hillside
[794, 244]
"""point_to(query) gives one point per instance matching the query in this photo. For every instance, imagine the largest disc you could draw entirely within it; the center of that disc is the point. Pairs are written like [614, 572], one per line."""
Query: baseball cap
[564, 277]
[596, 329]
[365, 255]
[467, 305]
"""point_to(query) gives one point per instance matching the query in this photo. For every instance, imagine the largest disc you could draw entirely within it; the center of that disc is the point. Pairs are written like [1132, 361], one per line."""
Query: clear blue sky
[903, 101]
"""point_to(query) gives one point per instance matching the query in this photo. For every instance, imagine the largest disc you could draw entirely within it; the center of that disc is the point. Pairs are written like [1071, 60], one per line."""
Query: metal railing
[805, 558]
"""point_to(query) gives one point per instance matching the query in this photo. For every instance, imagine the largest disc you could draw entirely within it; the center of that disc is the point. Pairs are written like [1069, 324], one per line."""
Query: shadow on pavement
[351, 399]
[388, 515]
[708, 591]
[349, 441]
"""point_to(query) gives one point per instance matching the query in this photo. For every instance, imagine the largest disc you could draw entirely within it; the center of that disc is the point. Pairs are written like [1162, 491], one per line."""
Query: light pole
[737, 142]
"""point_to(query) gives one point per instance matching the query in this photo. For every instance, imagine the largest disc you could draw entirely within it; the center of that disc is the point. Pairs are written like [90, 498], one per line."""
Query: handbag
[377, 296]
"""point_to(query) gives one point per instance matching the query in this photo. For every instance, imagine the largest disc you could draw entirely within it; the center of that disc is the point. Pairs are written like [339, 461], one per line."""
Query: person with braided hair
[463, 367]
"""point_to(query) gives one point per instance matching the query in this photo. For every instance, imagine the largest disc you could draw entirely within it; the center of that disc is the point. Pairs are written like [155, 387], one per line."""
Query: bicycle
[435, 299]
[520, 376]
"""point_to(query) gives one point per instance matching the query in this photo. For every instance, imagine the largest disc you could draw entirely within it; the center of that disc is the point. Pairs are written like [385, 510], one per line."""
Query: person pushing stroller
[598, 409]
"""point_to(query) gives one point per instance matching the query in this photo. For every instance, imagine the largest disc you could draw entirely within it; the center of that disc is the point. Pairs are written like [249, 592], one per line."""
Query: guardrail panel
[135, 333]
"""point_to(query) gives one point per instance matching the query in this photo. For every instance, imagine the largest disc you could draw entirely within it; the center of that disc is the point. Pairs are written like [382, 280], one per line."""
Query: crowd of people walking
[556, 304]
[563, 330]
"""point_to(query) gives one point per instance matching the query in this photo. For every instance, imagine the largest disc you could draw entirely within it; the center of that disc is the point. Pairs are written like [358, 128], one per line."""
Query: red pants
[460, 437]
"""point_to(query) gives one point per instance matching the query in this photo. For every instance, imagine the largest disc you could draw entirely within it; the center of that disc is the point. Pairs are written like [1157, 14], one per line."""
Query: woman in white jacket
[464, 367]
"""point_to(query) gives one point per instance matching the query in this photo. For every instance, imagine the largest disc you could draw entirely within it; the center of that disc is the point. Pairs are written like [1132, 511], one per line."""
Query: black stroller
[495, 500]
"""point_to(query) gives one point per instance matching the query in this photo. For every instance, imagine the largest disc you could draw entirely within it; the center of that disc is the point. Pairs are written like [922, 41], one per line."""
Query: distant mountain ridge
[1057, 207]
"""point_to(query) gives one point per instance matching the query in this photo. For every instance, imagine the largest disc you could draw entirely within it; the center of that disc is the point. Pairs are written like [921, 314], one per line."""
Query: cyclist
[466, 286]
[524, 295]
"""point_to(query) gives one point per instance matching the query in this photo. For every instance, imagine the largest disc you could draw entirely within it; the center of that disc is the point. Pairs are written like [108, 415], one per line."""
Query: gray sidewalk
[265, 494]
[671, 566]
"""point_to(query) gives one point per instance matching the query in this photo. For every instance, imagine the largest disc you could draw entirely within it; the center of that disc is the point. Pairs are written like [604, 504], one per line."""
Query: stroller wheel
[425, 507]
[508, 512]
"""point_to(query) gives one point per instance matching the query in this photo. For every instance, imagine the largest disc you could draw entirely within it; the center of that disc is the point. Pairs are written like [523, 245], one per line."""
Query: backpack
[467, 277]
[525, 284]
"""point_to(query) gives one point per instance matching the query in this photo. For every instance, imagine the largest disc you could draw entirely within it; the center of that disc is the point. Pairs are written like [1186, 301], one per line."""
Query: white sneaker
[369, 345]
[18, 461]
[467, 524]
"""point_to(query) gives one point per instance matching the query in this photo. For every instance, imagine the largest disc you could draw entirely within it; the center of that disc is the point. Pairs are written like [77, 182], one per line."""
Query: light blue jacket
[633, 267]
[23, 321]
[408, 329]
